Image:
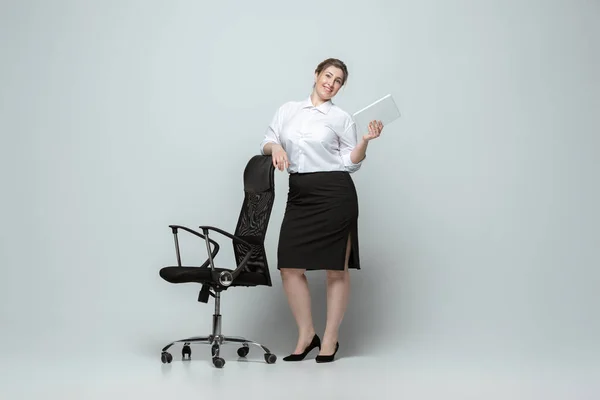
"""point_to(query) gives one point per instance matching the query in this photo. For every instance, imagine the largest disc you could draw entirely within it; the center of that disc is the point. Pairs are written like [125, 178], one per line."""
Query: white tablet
[384, 110]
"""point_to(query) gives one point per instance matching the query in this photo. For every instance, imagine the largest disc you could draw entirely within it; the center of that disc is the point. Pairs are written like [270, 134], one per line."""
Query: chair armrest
[211, 255]
[227, 277]
[242, 265]
[231, 236]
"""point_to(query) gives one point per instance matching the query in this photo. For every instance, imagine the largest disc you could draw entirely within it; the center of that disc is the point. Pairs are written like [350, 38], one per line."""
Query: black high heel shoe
[316, 342]
[326, 359]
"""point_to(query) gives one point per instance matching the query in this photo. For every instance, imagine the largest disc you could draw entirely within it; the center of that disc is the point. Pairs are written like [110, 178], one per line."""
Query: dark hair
[335, 63]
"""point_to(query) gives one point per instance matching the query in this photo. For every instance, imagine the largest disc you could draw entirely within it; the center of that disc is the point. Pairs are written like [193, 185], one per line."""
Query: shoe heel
[315, 343]
[329, 358]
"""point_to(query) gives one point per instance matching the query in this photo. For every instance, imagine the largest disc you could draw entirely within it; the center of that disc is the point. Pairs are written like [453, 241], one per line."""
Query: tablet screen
[384, 110]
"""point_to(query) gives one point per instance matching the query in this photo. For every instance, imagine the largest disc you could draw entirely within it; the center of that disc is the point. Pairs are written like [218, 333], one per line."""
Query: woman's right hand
[280, 158]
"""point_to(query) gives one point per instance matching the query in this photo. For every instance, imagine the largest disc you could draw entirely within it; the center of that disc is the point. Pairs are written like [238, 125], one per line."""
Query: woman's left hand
[375, 128]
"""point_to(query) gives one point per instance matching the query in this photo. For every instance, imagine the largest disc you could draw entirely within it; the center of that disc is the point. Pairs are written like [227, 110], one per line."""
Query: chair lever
[204, 294]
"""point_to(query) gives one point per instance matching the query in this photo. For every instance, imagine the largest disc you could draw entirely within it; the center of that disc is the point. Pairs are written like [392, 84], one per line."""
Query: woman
[316, 141]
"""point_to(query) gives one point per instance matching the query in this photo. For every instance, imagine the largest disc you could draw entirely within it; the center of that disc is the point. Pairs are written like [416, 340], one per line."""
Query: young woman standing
[317, 142]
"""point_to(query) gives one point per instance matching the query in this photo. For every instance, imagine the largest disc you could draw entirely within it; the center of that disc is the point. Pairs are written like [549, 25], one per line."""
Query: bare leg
[295, 285]
[338, 290]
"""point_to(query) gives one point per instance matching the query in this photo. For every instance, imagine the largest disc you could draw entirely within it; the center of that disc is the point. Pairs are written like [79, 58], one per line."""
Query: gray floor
[97, 370]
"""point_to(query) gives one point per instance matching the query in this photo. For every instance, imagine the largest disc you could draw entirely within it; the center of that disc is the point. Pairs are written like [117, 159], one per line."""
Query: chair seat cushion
[203, 275]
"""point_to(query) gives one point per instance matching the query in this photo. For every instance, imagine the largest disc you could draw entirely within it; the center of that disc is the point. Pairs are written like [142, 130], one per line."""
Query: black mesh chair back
[259, 196]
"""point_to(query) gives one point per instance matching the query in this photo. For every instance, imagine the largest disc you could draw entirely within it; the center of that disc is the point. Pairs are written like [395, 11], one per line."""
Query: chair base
[216, 340]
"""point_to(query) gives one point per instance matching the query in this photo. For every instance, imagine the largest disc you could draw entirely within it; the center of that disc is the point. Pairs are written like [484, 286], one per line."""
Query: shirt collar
[324, 108]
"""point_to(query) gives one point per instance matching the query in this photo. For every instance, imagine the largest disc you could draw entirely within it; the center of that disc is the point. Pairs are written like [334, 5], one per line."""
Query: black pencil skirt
[320, 215]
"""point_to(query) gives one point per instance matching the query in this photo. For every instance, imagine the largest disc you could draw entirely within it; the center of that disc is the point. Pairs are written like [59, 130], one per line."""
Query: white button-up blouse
[314, 138]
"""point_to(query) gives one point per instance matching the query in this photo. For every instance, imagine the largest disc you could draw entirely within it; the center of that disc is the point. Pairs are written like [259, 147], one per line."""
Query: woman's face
[328, 82]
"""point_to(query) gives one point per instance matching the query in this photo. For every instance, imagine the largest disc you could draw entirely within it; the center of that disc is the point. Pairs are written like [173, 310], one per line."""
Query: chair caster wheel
[186, 352]
[270, 358]
[166, 358]
[218, 362]
[243, 351]
[214, 349]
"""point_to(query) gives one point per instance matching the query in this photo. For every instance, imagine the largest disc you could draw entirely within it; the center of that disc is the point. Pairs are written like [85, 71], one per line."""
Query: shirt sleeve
[348, 141]
[272, 132]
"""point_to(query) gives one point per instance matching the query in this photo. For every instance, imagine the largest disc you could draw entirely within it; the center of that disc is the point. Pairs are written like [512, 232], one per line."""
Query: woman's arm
[270, 148]
[354, 151]
[271, 145]
[277, 153]
[360, 151]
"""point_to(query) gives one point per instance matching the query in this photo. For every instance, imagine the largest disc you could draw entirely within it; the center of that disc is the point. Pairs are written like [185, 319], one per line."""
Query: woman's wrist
[359, 152]
[271, 148]
[276, 148]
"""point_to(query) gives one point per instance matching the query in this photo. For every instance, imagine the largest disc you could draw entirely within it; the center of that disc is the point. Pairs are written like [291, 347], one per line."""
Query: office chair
[252, 268]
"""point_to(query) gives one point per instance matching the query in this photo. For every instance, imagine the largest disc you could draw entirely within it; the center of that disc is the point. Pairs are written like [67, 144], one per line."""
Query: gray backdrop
[478, 209]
